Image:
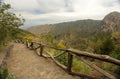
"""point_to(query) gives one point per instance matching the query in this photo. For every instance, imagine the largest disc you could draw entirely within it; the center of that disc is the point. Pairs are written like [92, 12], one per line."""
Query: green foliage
[117, 70]
[9, 23]
[61, 44]
[107, 46]
[116, 40]
[96, 46]
[111, 67]
[104, 46]
[63, 58]
[9, 19]
[116, 54]
[4, 74]
[79, 66]
[49, 39]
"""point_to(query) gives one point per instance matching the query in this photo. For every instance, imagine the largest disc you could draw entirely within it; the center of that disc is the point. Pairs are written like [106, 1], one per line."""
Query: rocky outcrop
[111, 22]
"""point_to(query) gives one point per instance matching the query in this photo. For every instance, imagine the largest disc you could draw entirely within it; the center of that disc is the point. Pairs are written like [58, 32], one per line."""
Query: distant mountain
[111, 22]
[82, 28]
[41, 29]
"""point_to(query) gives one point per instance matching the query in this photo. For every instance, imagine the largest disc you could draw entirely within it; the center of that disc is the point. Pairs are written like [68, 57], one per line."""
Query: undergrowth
[77, 65]
[4, 74]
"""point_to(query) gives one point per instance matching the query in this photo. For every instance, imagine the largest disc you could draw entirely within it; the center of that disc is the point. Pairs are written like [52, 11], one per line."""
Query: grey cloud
[69, 5]
[63, 10]
[110, 3]
[119, 1]
[51, 5]
[24, 5]
[55, 5]
[36, 22]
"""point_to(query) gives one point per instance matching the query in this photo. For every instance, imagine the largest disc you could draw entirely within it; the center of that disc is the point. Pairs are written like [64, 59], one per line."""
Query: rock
[111, 22]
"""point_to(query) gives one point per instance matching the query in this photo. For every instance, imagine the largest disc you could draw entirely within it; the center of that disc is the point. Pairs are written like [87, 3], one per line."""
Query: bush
[107, 46]
[4, 74]
[117, 70]
[79, 66]
[63, 58]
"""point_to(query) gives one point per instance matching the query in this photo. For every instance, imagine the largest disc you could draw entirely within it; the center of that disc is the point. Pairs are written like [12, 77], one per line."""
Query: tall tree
[8, 22]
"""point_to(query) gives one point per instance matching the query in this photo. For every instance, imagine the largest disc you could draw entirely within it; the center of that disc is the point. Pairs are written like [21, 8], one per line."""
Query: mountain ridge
[47, 28]
[111, 22]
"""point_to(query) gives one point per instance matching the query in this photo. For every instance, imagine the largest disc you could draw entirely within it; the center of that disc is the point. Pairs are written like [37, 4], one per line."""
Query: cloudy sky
[37, 12]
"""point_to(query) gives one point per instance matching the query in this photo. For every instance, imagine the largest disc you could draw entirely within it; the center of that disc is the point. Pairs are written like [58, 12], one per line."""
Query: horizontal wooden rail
[98, 69]
[104, 58]
[62, 66]
[59, 55]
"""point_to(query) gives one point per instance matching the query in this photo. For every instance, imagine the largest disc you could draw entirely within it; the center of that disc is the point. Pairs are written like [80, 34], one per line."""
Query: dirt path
[26, 64]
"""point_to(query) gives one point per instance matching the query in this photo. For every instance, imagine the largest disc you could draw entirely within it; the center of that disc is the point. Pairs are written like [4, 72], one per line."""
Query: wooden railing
[72, 52]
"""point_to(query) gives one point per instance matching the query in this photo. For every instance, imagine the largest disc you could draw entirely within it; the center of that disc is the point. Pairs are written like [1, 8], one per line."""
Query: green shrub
[107, 47]
[79, 66]
[4, 74]
[117, 70]
[63, 58]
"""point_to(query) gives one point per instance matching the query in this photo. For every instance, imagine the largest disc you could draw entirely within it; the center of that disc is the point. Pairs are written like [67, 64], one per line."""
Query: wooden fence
[72, 52]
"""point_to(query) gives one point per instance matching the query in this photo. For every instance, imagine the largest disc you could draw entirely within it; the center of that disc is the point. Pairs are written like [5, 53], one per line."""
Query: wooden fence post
[41, 49]
[22, 41]
[31, 45]
[70, 59]
[18, 41]
[26, 43]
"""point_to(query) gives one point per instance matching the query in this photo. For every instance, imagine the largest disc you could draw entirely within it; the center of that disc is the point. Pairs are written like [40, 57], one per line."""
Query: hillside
[41, 29]
[80, 26]
[68, 33]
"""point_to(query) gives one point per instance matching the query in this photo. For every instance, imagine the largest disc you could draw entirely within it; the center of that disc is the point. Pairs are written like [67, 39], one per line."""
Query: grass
[63, 58]
[111, 67]
[79, 66]
[4, 74]
[2, 47]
